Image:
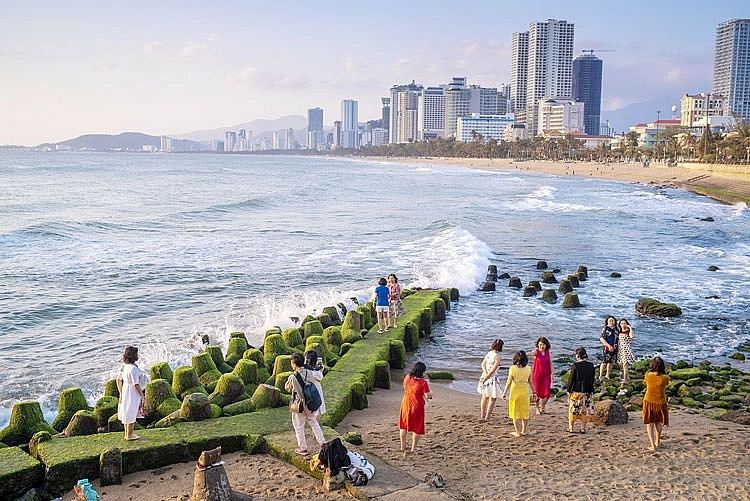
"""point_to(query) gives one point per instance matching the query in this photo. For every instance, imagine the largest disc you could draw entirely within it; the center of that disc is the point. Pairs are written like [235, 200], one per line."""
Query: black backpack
[333, 455]
[310, 395]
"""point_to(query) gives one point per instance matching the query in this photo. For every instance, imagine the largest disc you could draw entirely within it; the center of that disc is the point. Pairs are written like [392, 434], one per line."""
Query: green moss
[352, 327]
[313, 328]
[114, 424]
[18, 472]
[274, 346]
[209, 379]
[571, 300]
[110, 389]
[229, 389]
[266, 396]
[397, 354]
[690, 402]
[565, 286]
[84, 422]
[186, 381]
[247, 371]
[282, 364]
[345, 347]
[202, 363]
[105, 408]
[162, 370]
[236, 349]
[292, 337]
[441, 375]
[166, 408]
[440, 309]
[653, 308]
[218, 357]
[240, 407]
[70, 402]
[26, 418]
[333, 314]
[195, 407]
[549, 296]
[332, 336]
[737, 356]
[316, 343]
[367, 313]
[158, 391]
[689, 373]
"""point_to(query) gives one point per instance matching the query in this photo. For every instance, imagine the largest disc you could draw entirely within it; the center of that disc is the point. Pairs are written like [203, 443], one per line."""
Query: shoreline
[724, 186]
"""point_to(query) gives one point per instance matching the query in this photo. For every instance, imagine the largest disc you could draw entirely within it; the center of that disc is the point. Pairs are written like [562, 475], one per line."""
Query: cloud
[193, 51]
[154, 47]
[406, 67]
[351, 64]
[259, 79]
[105, 66]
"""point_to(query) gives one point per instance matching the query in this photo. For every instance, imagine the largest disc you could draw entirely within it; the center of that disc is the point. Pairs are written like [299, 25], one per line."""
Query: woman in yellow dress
[655, 410]
[520, 382]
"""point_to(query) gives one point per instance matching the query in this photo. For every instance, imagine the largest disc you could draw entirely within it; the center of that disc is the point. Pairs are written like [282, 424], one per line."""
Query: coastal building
[230, 140]
[549, 66]
[647, 132]
[488, 126]
[732, 66]
[337, 134]
[587, 88]
[385, 116]
[695, 107]
[431, 116]
[515, 132]
[404, 113]
[315, 133]
[457, 104]
[349, 120]
[519, 65]
[561, 115]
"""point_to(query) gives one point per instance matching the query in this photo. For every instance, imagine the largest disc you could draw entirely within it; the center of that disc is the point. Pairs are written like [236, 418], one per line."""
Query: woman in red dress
[542, 374]
[411, 419]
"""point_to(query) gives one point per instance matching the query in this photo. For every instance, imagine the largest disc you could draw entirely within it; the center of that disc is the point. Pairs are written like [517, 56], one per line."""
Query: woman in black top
[580, 390]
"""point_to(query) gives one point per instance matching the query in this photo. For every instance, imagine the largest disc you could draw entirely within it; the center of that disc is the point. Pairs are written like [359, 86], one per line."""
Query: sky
[169, 67]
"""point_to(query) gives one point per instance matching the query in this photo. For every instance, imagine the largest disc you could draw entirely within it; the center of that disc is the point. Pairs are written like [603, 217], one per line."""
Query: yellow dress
[518, 403]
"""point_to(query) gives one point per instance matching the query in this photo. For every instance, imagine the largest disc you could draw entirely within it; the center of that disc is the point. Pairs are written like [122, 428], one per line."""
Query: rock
[548, 277]
[313, 328]
[26, 419]
[352, 327]
[324, 320]
[611, 412]
[713, 268]
[266, 396]
[332, 338]
[110, 467]
[229, 389]
[565, 286]
[488, 287]
[615, 274]
[541, 265]
[236, 348]
[581, 276]
[185, 382]
[105, 408]
[333, 314]
[247, 371]
[652, 308]
[84, 422]
[160, 399]
[737, 356]
[571, 300]
[110, 389]
[739, 417]
[708, 219]
[584, 270]
[529, 291]
[195, 407]
[536, 284]
[504, 276]
[492, 269]
[491, 278]
[70, 402]
[515, 282]
[549, 295]
[352, 438]
[241, 407]
[333, 482]
[218, 357]
[454, 294]
[574, 281]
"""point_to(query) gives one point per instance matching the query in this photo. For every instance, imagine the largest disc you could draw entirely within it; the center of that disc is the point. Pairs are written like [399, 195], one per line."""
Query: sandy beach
[700, 458]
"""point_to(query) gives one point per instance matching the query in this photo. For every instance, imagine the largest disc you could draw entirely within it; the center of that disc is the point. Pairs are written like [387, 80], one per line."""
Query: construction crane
[590, 52]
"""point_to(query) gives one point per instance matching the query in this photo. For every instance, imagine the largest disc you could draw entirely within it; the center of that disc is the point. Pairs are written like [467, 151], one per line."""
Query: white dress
[127, 410]
[317, 378]
[492, 387]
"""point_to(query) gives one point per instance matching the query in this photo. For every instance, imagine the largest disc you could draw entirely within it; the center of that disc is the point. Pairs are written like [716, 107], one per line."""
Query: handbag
[295, 404]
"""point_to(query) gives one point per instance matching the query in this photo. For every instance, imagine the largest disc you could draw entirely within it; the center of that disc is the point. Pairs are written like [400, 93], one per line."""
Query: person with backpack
[314, 363]
[300, 406]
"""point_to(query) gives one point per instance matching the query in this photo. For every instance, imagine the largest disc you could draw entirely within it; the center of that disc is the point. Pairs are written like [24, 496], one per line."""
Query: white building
[562, 115]
[732, 66]
[404, 113]
[431, 119]
[349, 122]
[489, 126]
[695, 107]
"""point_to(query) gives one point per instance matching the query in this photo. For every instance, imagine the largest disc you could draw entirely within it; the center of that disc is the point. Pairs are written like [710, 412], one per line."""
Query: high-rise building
[431, 120]
[732, 66]
[350, 124]
[386, 115]
[457, 104]
[587, 88]
[230, 140]
[315, 134]
[404, 111]
[519, 70]
[561, 115]
[549, 68]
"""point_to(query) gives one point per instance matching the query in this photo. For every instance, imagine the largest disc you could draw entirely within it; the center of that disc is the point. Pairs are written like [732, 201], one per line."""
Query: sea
[104, 250]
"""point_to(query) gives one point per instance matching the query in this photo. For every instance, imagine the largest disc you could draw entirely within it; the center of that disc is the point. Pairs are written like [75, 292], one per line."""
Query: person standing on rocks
[131, 394]
[380, 298]
[395, 307]
[299, 419]
[625, 348]
[655, 410]
[609, 342]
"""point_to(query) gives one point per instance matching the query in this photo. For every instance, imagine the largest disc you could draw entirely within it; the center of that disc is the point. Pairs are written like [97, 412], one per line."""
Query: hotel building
[732, 66]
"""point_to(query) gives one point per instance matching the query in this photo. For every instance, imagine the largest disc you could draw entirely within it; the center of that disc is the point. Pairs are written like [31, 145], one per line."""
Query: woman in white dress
[131, 394]
[625, 354]
[490, 383]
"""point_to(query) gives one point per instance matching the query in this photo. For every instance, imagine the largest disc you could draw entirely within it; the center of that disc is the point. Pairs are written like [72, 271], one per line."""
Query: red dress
[412, 405]
[542, 373]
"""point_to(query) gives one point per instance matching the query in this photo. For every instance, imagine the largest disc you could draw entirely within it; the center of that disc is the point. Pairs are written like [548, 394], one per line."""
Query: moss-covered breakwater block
[574, 281]
[110, 389]
[185, 382]
[274, 346]
[18, 472]
[105, 408]
[515, 282]
[82, 423]
[441, 375]
[565, 286]
[571, 300]
[247, 371]
[162, 370]
[351, 329]
[229, 389]
[582, 271]
[652, 308]
[549, 296]
[548, 277]
[237, 347]
[161, 400]
[218, 357]
[313, 328]
[333, 314]
[529, 291]
[26, 418]
[70, 402]
[293, 337]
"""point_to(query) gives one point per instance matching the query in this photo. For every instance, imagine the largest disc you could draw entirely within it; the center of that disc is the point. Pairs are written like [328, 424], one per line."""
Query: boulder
[161, 400]
[549, 295]
[548, 277]
[273, 346]
[652, 308]
[541, 265]
[266, 396]
[314, 328]
[110, 389]
[195, 407]
[185, 382]
[293, 337]
[229, 389]
[504, 276]
[574, 281]
[492, 269]
[332, 337]
[333, 314]
[161, 370]
[529, 291]
[611, 412]
[515, 282]
[247, 371]
[352, 438]
[488, 286]
[70, 402]
[84, 422]
[615, 274]
[26, 418]
[536, 284]
[736, 416]
[713, 268]
[571, 300]
[565, 286]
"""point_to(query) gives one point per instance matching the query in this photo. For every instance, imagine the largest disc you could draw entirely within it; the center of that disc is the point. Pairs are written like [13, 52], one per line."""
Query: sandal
[300, 451]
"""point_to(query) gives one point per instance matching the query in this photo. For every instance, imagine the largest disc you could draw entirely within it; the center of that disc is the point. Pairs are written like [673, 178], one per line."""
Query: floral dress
[625, 348]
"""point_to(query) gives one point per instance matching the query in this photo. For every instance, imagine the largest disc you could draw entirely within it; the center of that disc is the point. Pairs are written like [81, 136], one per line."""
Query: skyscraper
[548, 47]
[732, 66]
[349, 122]
[404, 112]
[587, 87]
[315, 134]
[519, 71]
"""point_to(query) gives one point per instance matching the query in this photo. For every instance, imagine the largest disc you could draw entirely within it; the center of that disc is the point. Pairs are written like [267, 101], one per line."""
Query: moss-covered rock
[110, 389]
[105, 408]
[157, 392]
[352, 327]
[186, 381]
[18, 472]
[274, 346]
[529, 291]
[293, 337]
[549, 296]
[236, 349]
[161, 370]
[737, 356]
[548, 277]
[345, 347]
[565, 286]
[441, 375]
[218, 357]
[229, 389]
[515, 282]
[440, 309]
[266, 396]
[316, 343]
[352, 438]
[110, 466]
[241, 407]
[489, 286]
[574, 281]
[283, 363]
[195, 407]
[584, 270]
[382, 375]
[84, 422]
[615, 274]
[70, 402]
[114, 424]
[203, 362]
[690, 373]
[247, 371]
[333, 314]
[313, 328]
[571, 300]
[690, 402]
[425, 322]
[652, 308]
[26, 418]
[397, 354]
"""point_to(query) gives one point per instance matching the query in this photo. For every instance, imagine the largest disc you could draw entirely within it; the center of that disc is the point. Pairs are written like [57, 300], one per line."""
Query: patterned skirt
[580, 406]
[396, 308]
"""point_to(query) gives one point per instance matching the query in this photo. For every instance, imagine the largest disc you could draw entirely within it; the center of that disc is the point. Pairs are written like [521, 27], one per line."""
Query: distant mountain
[126, 141]
[260, 128]
[622, 119]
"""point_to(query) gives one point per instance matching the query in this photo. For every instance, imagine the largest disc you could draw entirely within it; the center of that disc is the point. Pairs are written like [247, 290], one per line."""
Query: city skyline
[172, 68]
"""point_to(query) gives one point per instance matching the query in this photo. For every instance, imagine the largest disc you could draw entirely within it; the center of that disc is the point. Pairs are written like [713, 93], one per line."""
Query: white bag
[358, 465]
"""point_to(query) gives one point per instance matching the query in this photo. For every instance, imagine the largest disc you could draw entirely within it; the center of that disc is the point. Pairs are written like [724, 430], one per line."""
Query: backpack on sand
[360, 470]
[310, 395]
[333, 456]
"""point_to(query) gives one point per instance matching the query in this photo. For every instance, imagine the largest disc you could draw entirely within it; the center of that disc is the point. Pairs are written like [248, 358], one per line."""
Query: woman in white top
[315, 365]
[490, 383]
[131, 394]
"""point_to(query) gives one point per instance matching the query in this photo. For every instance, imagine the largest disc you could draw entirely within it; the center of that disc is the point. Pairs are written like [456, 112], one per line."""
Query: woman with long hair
[411, 417]
[541, 373]
[655, 410]
[489, 382]
[519, 381]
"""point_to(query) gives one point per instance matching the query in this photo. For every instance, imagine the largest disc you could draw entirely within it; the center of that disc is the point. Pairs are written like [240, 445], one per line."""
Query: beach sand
[700, 458]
